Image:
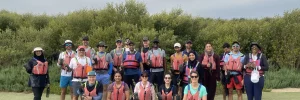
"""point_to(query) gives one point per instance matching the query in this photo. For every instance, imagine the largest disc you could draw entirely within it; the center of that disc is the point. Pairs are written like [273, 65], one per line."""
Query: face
[167, 79]
[81, 52]
[144, 78]
[101, 48]
[146, 43]
[194, 78]
[226, 49]
[117, 77]
[192, 56]
[85, 42]
[119, 44]
[92, 79]
[236, 47]
[38, 53]
[131, 47]
[254, 49]
[188, 45]
[208, 48]
[68, 46]
[177, 48]
[155, 45]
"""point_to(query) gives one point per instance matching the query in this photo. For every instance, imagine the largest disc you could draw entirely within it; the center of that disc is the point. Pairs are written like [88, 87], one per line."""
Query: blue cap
[92, 73]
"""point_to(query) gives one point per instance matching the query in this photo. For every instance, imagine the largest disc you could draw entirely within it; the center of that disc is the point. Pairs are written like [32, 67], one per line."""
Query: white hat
[177, 45]
[37, 49]
[68, 41]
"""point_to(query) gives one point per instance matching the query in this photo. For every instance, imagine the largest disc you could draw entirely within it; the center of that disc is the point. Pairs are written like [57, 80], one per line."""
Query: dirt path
[286, 90]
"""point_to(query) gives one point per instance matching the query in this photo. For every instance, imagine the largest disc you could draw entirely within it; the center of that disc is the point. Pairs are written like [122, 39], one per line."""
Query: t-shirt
[159, 51]
[173, 88]
[108, 59]
[132, 71]
[111, 88]
[202, 92]
[234, 56]
[83, 61]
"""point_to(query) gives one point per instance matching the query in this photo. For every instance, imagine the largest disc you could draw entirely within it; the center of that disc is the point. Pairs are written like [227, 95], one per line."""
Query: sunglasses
[68, 44]
[194, 76]
[81, 50]
[167, 77]
[236, 46]
[145, 76]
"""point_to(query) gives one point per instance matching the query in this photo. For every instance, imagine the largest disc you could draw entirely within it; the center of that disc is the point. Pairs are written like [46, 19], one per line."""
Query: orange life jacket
[144, 56]
[41, 68]
[167, 96]
[186, 77]
[88, 52]
[118, 59]
[257, 63]
[234, 64]
[67, 58]
[118, 93]
[80, 70]
[177, 62]
[130, 61]
[195, 96]
[102, 64]
[92, 93]
[156, 61]
[207, 60]
[145, 93]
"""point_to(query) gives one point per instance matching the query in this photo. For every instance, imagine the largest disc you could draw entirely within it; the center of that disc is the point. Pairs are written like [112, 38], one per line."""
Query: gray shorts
[76, 86]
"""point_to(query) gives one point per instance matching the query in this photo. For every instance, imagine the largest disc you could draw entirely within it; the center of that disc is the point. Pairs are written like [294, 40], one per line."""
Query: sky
[225, 9]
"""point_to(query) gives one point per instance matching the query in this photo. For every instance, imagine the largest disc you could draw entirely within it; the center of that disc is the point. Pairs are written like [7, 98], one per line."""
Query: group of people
[96, 75]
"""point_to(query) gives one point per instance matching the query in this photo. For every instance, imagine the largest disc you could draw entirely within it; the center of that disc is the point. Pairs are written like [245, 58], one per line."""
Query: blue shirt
[131, 71]
[234, 56]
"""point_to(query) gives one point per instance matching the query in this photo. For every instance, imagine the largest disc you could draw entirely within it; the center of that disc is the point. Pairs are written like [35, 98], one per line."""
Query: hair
[144, 74]
[226, 45]
[194, 72]
[119, 72]
[208, 43]
[168, 74]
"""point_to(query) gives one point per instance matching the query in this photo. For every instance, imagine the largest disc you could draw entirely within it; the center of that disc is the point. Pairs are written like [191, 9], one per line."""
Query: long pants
[223, 80]
[210, 82]
[157, 78]
[128, 80]
[254, 90]
[37, 92]
[175, 79]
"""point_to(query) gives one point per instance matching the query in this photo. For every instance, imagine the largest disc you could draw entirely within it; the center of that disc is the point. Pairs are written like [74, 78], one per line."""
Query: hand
[115, 69]
[88, 98]
[208, 64]
[242, 82]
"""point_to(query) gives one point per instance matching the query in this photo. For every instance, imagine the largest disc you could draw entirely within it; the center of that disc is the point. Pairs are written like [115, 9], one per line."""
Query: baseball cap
[92, 73]
[177, 45]
[145, 39]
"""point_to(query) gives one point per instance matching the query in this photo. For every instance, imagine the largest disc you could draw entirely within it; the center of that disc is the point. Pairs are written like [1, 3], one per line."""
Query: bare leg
[75, 97]
[104, 92]
[71, 92]
[230, 95]
[63, 93]
[240, 95]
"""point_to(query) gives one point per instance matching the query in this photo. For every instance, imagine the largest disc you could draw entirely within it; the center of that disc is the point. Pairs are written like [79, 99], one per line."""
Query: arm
[127, 92]
[99, 92]
[203, 93]
[140, 61]
[109, 91]
[110, 60]
[29, 66]
[217, 61]
[171, 62]
[185, 93]
[246, 61]
[59, 59]
[201, 57]
[264, 61]
[136, 88]
[153, 93]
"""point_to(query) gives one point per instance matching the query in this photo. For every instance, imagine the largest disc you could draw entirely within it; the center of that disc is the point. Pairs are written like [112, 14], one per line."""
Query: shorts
[104, 79]
[76, 86]
[65, 81]
[232, 83]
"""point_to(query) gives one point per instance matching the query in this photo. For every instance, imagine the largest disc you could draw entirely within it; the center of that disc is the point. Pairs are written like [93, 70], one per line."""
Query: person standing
[144, 53]
[188, 48]
[103, 65]
[37, 67]
[211, 65]
[80, 65]
[117, 56]
[234, 63]
[226, 49]
[255, 61]
[66, 72]
[89, 51]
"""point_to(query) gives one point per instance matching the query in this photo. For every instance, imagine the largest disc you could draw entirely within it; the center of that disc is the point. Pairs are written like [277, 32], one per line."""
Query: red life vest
[177, 62]
[118, 93]
[234, 64]
[102, 64]
[80, 70]
[195, 96]
[88, 52]
[257, 63]
[92, 93]
[156, 61]
[41, 68]
[67, 58]
[207, 60]
[118, 59]
[186, 77]
[144, 56]
[130, 61]
[167, 96]
[145, 94]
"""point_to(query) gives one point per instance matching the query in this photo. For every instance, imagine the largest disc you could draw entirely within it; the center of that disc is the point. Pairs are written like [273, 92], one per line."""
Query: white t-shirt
[83, 61]
[137, 89]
